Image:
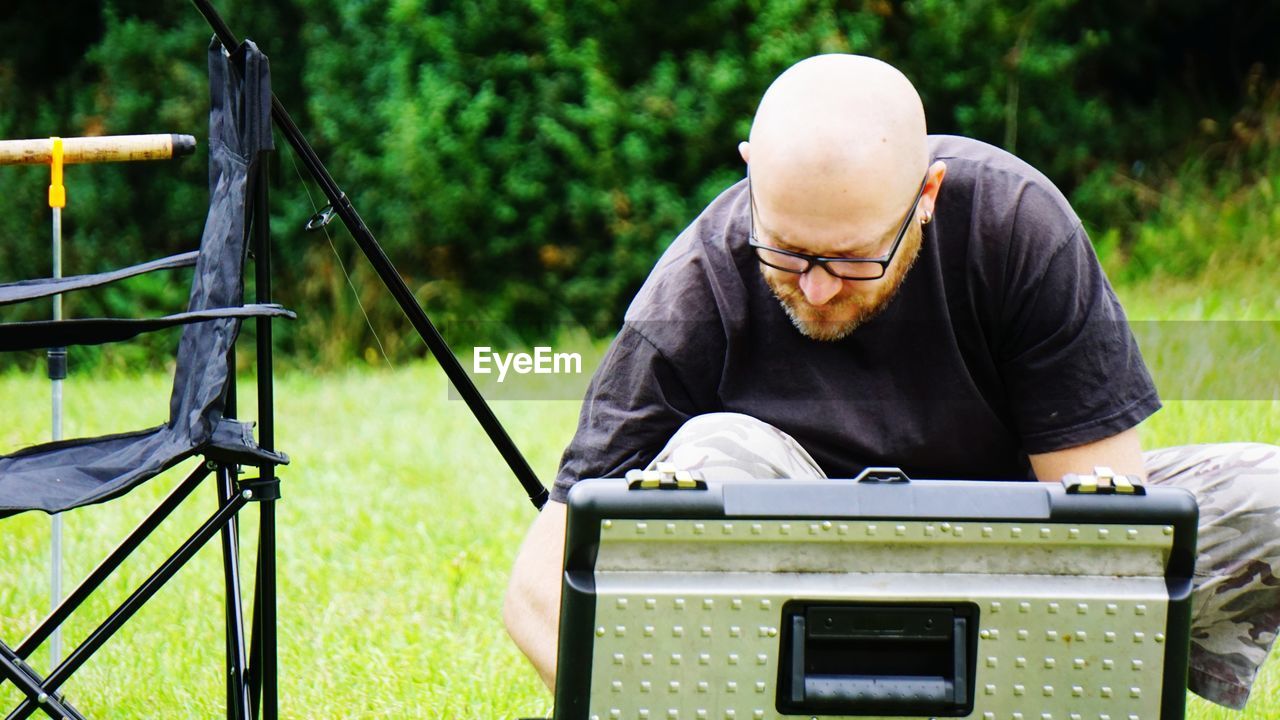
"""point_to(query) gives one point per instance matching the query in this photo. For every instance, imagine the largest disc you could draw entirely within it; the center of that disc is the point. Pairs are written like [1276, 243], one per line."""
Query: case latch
[1103, 481]
[665, 476]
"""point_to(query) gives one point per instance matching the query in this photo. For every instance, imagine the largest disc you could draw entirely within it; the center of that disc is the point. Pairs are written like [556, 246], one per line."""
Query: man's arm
[637, 400]
[531, 610]
[1120, 452]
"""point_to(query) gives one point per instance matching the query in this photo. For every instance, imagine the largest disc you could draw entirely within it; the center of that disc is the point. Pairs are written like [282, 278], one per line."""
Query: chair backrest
[239, 132]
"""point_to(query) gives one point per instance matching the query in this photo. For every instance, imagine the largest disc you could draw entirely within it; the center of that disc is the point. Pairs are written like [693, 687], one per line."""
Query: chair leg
[237, 692]
[29, 682]
[111, 562]
[263, 650]
[103, 632]
[255, 641]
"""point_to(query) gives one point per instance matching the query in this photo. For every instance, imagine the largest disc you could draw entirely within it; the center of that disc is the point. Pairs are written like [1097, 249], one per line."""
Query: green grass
[398, 527]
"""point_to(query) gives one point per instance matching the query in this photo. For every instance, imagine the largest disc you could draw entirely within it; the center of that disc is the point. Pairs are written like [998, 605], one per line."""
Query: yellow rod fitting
[57, 192]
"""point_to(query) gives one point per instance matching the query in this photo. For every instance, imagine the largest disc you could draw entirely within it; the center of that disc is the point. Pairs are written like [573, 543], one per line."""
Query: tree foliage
[525, 161]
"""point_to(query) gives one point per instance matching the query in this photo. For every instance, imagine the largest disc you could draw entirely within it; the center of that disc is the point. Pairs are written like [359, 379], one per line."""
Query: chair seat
[59, 476]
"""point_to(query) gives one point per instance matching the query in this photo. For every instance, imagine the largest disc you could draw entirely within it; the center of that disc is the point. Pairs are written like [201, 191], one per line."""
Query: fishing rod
[340, 205]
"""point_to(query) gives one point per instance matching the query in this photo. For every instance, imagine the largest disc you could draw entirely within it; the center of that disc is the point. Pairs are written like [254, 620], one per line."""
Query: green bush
[526, 161]
[1212, 207]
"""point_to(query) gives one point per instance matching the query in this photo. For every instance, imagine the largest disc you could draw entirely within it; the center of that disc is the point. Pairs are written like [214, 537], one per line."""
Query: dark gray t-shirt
[1004, 339]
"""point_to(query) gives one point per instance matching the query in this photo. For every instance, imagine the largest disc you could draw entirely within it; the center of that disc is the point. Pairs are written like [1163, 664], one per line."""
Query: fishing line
[354, 293]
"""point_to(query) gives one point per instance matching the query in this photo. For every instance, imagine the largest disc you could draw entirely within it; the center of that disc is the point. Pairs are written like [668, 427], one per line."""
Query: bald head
[837, 151]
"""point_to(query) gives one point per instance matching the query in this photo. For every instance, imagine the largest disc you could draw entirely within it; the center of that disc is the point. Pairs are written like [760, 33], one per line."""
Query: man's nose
[819, 286]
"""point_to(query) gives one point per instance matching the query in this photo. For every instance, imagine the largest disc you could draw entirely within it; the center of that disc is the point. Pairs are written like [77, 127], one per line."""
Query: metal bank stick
[57, 152]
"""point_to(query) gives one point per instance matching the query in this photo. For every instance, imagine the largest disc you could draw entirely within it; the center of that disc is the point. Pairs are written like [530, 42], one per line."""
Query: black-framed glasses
[845, 268]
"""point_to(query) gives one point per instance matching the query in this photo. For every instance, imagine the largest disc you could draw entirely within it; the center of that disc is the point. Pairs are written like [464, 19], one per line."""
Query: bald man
[838, 308]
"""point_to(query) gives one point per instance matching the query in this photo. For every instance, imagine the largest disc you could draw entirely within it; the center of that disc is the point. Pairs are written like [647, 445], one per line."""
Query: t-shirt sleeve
[1070, 363]
[636, 401]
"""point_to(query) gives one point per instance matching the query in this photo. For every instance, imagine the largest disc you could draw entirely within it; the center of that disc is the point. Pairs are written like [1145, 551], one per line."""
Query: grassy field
[397, 529]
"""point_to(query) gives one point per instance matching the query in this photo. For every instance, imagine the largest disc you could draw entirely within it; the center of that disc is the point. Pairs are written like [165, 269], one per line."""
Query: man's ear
[933, 181]
[744, 149]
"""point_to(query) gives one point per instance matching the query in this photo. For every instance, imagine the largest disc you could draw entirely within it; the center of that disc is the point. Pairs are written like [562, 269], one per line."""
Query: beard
[846, 312]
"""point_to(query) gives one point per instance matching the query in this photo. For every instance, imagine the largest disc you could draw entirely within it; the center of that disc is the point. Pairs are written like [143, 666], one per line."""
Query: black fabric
[25, 290]
[1005, 339]
[60, 476]
[96, 331]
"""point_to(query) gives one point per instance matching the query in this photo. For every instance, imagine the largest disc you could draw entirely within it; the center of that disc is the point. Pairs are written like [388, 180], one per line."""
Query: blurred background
[525, 162]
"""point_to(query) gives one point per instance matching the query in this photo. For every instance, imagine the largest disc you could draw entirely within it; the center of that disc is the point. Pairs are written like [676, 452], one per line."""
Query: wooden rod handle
[111, 148]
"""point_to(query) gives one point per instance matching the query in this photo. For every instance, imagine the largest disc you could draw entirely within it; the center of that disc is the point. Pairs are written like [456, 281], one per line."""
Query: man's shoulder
[975, 156]
[691, 279]
[1005, 194]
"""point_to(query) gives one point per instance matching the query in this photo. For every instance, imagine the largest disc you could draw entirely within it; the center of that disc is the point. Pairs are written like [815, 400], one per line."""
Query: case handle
[878, 660]
[882, 475]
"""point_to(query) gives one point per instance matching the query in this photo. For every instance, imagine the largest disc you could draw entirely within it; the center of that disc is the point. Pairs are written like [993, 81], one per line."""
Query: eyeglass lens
[848, 269]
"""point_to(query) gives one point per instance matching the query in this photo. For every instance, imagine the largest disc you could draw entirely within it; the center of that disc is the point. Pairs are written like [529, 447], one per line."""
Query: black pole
[262, 295]
[237, 695]
[237, 692]
[255, 640]
[266, 608]
[392, 280]
[263, 638]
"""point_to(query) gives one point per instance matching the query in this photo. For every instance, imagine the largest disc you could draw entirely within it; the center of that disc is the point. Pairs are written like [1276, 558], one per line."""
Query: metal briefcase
[878, 597]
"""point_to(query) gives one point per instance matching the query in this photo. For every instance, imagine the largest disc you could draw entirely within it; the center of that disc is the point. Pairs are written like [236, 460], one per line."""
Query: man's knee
[725, 424]
[733, 446]
[1227, 478]
[1259, 463]
[1238, 489]
[1216, 461]
[1247, 472]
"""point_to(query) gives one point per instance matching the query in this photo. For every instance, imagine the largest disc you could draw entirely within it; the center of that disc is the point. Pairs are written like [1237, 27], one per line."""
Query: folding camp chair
[60, 476]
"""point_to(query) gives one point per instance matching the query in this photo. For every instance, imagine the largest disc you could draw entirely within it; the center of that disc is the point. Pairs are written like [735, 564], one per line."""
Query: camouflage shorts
[1236, 603]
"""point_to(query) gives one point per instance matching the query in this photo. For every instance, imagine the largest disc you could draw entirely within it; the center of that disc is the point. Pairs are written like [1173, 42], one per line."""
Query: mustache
[829, 322]
[792, 294]
[844, 313]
